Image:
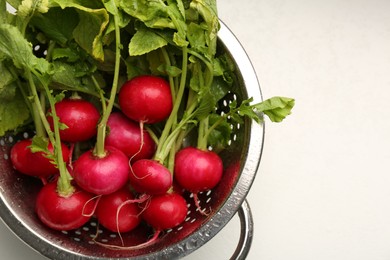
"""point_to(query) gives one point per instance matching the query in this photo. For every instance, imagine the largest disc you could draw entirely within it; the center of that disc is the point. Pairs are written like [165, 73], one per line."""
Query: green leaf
[67, 54]
[89, 32]
[39, 144]
[219, 137]
[14, 46]
[153, 13]
[57, 24]
[145, 41]
[6, 78]
[28, 7]
[70, 77]
[208, 11]
[3, 11]
[276, 108]
[206, 105]
[13, 112]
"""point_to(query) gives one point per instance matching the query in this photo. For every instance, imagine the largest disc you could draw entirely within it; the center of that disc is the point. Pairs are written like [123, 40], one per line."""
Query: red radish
[80, 116]
[117, 213]
[34, 164]
[161, 212]
[146, 99]
[102, 175]
[165, 211]
[63, 213]
[197, 170]
[150, 177]
[125, 135]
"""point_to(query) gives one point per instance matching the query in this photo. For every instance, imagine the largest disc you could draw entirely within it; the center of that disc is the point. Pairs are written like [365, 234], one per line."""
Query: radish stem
[101, 131]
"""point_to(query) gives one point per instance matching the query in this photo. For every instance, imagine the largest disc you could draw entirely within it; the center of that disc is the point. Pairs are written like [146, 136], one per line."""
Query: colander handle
[246, 235]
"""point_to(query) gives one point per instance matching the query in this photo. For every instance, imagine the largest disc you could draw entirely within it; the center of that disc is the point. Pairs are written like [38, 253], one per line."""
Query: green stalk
[171, 81]
[37, 111]
[101, 131]
[172, 117]
[202, 136]
[64, 186]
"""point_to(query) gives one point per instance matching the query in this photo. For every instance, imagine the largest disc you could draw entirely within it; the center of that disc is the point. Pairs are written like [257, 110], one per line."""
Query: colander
[241, 161]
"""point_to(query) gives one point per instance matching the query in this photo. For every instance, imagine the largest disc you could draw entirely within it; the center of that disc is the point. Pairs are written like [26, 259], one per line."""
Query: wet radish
[197, 170]
[64, 212]
[34, 164]
[150, 177]
[161, 212]
[125, 135]
[102, 175]
[165, 211]
[80, 118]
[146, 99]
[117, 211]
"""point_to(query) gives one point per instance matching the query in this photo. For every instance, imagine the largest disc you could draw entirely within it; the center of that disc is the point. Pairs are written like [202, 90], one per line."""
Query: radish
[35, 164]
[150, 177]
[197, 170]
[102, 175]
[117, 212]
[146, 99]
[80, 118]
[127, 136]
[161, 212]
[63, 212]
[165, 211]
[104, 169]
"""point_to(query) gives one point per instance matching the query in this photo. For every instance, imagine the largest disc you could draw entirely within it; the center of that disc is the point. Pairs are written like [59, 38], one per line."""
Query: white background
[322, 191]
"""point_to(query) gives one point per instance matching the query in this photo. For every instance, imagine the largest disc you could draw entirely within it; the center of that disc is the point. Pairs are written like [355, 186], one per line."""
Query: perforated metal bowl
[241, 161]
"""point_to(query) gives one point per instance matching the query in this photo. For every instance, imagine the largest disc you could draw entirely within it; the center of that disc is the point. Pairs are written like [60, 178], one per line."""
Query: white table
[323, 188]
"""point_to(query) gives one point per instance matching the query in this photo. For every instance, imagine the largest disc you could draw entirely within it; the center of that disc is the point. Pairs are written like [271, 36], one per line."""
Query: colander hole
[113, 235]
[225, 104]
[78, 232]
[85, 228]
[238, 126]
[91, 242]
[168, 230]
[2, 142]
[37, 47]
[208, 193]
[234, 137]
[93, 224]
[188, 212]
[208, 200]
[104, 240]
[187, 219]
[25, 135]
[5, 156]
[229, 142]
[77, 239]
[188, 205]
[179, 228]
[45, 52]
[193, 220]
[10, 139]
[64, 232]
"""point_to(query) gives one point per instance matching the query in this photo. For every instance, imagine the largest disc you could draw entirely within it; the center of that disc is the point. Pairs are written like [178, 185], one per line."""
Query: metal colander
[241, 161]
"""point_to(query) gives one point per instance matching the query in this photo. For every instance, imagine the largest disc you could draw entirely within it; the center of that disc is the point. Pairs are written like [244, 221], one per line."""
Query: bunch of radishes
[117, 155]
[121, 181]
